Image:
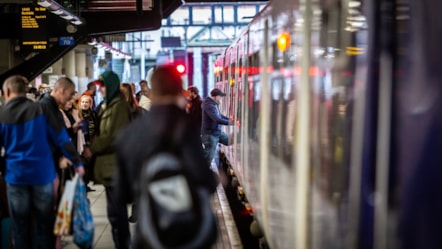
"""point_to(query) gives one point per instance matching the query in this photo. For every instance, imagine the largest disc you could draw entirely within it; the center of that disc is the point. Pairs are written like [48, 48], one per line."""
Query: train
[338, 122]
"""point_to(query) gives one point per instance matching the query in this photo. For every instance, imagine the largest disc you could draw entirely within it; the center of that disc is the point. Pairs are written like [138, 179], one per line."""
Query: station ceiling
[98, 18]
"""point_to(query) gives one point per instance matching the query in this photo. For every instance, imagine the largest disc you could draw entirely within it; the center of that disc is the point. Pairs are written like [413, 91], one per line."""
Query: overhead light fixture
[77, 22]
[57, 12]
[68, 17]
[109, 49]
[57, 9]
[44, 3]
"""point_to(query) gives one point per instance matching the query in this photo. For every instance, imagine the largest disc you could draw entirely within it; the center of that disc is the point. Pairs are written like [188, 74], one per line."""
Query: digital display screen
[34, 29]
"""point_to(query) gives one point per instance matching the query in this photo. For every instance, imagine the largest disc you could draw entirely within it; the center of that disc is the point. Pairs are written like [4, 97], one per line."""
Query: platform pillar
[69, 66]
[197, 65]
[80, 60]
[6, 54]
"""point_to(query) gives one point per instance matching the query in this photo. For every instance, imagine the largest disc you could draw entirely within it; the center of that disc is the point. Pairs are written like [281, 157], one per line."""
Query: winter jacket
[212, 118]
[195, 111]
[146, 135]
[114, 116]
[27, 132]
[55, 118]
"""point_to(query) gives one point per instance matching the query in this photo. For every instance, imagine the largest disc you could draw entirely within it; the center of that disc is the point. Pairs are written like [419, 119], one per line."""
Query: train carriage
[337, 122]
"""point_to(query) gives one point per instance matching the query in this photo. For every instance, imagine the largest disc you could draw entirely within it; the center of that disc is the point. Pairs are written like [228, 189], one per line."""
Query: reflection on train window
[288, 120]
[239, 86]
[254, 82]
[282, 117]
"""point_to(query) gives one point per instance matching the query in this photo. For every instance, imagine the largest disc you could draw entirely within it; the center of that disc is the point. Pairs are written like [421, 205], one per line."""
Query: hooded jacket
[212, 119]
[115, 115]
[27, 132]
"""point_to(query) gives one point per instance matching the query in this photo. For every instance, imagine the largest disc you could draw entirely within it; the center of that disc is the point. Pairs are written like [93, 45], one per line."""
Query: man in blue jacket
[211, 133]
[25, 133]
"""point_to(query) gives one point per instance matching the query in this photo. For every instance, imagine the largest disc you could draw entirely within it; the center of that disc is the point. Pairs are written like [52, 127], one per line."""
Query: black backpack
[173, 212]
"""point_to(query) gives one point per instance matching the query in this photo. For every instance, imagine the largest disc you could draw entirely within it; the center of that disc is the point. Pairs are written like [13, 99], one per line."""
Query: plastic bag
[83, 222]
[64, 214]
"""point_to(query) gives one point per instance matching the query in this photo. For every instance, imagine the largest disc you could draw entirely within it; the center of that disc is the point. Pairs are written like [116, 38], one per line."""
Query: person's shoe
[132, 219]
[89, 189]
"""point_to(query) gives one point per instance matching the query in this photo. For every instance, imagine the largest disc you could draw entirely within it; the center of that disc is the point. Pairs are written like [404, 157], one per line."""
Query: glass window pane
[180, 16]
[228, 14]
[245, 13]
[202, 15]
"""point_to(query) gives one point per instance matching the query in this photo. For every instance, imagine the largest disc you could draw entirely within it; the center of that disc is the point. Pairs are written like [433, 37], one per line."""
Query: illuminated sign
[66, 41]
[33, 25]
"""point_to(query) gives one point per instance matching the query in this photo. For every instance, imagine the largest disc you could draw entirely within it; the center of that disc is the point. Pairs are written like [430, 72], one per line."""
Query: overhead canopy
[92, 18]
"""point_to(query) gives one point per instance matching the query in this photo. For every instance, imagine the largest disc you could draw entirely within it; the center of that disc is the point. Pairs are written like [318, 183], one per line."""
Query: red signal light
[181, 68]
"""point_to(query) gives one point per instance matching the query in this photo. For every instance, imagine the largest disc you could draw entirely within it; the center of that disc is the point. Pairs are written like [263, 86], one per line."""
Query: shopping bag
[64, 212]
[83, 222]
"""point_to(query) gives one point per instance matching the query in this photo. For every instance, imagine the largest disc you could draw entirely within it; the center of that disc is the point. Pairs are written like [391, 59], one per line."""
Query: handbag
[83, 222]
[64, 212]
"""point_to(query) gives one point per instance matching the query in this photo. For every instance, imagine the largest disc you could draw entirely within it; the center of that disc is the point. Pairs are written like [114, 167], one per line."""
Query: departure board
[34, 29]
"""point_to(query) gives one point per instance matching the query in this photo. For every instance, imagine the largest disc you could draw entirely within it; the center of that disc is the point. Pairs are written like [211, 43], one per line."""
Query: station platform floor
[228, 236]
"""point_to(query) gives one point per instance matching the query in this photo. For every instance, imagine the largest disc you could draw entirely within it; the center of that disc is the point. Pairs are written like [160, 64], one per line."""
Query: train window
[254, 82]
[332, 83]
[232, 81]
[277, 57]
[288, 119]
[239, 86]
[275, 113]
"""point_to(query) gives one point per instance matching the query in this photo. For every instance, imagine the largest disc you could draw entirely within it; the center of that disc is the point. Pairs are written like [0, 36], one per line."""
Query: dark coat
[113, 118]
[143, 136]
[212, 119]
[196, 112]
[51, 110]
[27, 134]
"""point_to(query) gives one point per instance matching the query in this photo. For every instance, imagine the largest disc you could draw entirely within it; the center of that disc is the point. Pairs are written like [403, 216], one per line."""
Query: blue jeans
[210, 142]
[24, 200]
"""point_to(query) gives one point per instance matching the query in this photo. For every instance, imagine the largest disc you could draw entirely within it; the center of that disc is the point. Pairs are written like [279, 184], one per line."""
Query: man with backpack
[161, 166]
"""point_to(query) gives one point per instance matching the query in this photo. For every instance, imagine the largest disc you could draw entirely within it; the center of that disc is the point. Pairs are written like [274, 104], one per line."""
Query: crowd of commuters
[31, 133]
[47, 137]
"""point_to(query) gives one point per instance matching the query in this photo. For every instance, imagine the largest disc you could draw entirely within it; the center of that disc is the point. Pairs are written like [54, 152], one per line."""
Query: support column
[80, 61]
[69, 66]
[51, 77]
[57, 67]
[5, 56]
[197, 65]
[90, 69]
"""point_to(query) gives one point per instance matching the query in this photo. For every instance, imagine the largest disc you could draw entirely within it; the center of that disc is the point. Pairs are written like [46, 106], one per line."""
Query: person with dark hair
[26, 133]
[135, 109]
[114, 116]
[91, 91]
[212, 120]
[166, 125]
[194, 108]
[32, 94]
[143, 86]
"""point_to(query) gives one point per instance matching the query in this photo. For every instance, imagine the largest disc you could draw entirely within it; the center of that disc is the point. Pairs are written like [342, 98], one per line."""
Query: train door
[264, 129]
[415, 181]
